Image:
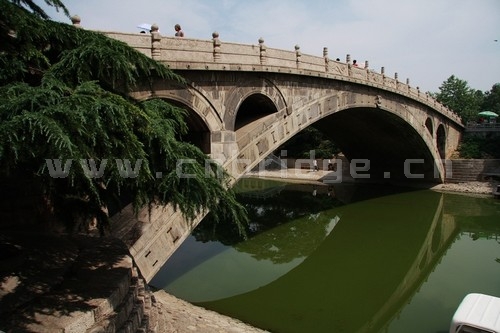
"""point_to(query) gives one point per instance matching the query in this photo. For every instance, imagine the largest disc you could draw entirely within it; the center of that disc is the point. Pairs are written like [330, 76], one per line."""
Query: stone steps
[135, 313]
[463, 170]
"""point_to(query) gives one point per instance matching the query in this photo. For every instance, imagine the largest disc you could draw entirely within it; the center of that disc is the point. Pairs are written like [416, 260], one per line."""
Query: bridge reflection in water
[360, 275]
[348, 269]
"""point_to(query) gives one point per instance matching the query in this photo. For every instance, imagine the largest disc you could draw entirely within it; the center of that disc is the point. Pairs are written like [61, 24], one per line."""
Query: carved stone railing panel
[216, 54]
[339, 68]
[375, 77]
[359, 73]
[390, 83]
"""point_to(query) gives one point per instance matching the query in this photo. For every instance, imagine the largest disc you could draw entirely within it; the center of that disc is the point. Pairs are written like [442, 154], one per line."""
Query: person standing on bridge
[178, 31]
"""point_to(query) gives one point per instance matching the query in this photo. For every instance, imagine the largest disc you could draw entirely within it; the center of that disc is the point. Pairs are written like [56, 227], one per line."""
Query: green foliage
[492, 99]
[117, 65]
[268, 212]
[458, 96]
[64, 99]
[39, 12]
[473, 146]
[470, 148]
[30, 47]
[467, 102]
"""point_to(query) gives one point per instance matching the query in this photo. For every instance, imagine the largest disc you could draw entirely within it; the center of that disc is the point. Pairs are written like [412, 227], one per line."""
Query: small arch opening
[441, 141]
[198, 132]
[429, 126]
[254, 107]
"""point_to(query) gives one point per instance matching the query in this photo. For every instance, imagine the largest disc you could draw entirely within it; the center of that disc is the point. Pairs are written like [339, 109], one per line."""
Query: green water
[347, 259]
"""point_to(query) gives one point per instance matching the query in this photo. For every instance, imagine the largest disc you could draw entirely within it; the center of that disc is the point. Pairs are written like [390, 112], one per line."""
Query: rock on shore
[180, 316]
[469, 187]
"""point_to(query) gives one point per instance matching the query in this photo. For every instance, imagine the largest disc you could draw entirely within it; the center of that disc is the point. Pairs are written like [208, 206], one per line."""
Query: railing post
[263, 48]
[155, 42]
[327, 60]
[349, 65]
[217, 44]
[297, 55]
[76, 21]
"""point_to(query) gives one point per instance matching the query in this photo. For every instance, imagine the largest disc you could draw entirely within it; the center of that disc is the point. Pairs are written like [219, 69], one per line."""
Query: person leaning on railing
[178, 31]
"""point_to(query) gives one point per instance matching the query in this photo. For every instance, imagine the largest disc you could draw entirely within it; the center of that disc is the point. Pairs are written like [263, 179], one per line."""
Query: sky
[425, 41]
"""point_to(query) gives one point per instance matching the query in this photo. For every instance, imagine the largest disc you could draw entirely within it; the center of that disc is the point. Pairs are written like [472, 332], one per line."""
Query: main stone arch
[342, 110]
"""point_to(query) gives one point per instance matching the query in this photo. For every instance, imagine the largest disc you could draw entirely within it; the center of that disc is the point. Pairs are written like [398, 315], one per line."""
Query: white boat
[477, 313]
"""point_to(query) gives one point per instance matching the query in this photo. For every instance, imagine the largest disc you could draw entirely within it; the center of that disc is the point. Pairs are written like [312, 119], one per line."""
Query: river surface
[341, 259]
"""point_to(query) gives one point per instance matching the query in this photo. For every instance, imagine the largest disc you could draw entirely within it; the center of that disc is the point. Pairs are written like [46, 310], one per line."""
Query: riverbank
[486, 188]
[183, 317]
[178, 316]
[319, 177]
[54, 283]
[34, 268]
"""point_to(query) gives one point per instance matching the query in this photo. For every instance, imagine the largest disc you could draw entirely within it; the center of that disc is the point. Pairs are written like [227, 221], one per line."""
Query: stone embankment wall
[54, 284]
[73, 285]
[467, 170]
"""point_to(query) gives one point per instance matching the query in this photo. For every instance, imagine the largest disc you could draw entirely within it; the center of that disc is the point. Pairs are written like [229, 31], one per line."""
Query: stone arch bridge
[244, 101]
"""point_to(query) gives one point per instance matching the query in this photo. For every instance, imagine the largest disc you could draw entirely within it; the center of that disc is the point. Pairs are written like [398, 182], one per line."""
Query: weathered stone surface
[180, 316]
[244, 101]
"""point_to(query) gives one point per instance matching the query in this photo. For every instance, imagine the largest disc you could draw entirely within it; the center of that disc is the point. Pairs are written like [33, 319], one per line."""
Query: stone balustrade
[197, 54]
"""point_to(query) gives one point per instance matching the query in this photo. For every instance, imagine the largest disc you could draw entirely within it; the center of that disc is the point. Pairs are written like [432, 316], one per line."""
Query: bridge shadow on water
[349, 264]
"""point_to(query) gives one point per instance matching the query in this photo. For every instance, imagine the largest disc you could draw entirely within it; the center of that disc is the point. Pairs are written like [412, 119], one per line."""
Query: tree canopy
[467, 103]
[458, 96]
[491, 100]
[72, 137]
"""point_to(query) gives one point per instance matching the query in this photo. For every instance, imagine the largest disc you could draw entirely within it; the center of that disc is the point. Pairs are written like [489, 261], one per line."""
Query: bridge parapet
[198, 54]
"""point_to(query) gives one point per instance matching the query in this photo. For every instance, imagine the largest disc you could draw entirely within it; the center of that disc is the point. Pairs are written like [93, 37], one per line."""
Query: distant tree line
[468, 103]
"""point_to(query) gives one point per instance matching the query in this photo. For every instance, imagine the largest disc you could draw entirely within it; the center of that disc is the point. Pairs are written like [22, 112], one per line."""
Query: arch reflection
[359, 276]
